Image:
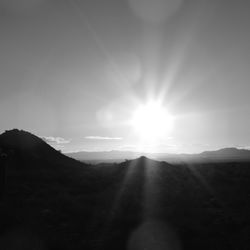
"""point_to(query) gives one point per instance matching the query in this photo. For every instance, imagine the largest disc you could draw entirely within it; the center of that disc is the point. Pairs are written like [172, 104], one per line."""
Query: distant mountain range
[225, 154]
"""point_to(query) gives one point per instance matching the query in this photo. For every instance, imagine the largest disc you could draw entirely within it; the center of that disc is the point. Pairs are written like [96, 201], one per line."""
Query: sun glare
[152, 121]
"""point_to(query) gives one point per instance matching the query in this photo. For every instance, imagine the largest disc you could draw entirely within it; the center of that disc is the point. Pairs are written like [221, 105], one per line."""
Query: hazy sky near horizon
[74, 71]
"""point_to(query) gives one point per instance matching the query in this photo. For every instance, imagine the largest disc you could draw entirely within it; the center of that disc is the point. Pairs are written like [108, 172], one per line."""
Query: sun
[152, 121]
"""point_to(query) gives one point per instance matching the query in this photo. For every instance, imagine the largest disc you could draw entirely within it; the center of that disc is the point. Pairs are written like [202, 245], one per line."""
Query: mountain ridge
[223, 154]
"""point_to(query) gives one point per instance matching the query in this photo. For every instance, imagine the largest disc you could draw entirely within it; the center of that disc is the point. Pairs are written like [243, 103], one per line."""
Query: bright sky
[78, 71]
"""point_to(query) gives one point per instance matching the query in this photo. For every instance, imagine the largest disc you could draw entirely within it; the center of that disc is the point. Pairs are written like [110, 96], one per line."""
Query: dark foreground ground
[140, 204]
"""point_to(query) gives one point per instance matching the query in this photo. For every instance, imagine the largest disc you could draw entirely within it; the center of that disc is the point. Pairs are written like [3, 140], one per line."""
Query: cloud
[94, 137]
[55, 140]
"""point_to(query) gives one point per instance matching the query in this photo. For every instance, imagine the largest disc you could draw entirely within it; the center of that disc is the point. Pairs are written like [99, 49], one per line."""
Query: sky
[75, 71]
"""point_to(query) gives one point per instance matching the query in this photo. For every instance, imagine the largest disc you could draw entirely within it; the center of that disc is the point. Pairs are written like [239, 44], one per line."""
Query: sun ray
[122, 78]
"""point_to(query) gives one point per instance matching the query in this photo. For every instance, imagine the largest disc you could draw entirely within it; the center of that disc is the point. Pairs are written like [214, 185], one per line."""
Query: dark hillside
[25, 145]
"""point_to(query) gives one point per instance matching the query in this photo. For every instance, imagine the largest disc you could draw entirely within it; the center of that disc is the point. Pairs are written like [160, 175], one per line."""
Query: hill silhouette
[25, 145]
[54, 202]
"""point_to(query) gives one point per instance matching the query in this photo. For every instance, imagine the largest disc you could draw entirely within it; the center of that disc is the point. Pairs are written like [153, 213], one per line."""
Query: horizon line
[141, 152]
